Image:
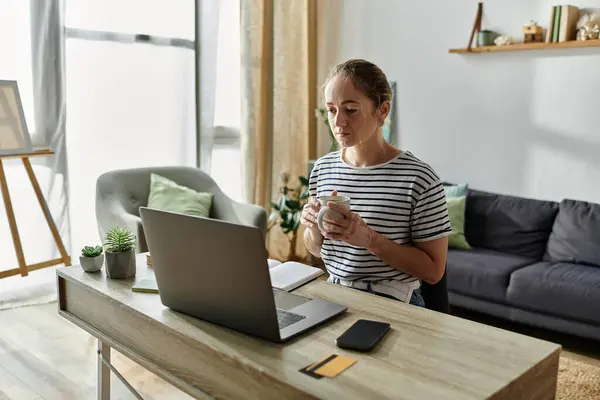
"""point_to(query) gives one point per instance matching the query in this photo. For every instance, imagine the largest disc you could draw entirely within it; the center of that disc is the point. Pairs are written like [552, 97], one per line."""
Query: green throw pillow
[169, 196]
[456, 212]
[456, 190]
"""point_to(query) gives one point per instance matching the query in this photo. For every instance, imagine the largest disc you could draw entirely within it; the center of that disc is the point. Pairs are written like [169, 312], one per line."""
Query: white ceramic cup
[342, 200]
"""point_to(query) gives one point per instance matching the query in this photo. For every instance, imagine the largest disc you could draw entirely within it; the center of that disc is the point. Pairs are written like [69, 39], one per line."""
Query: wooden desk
[426, 355]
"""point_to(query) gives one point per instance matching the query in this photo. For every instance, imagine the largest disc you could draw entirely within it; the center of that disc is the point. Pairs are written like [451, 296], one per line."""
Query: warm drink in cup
[342, 200]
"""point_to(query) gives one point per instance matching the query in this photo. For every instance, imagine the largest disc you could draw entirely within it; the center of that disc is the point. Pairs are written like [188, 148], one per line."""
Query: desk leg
[103, 387]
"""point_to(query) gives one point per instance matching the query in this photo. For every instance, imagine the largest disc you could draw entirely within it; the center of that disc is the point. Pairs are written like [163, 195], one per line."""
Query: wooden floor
[43, 356]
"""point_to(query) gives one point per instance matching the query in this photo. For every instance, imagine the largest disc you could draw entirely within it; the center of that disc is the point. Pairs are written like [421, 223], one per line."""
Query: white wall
[523, 123]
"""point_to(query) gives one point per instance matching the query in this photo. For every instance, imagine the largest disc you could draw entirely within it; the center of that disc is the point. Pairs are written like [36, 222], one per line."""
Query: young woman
[395, 233]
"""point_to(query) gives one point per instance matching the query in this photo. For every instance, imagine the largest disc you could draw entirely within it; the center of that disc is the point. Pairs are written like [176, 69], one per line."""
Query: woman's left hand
[351, 229]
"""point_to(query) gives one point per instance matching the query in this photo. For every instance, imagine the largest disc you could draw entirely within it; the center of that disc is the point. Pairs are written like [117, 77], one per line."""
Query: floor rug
[577, 380]
[39, 287]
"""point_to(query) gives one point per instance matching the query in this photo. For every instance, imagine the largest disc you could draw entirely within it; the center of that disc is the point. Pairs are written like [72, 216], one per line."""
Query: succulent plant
[119, 240]
[91, 251]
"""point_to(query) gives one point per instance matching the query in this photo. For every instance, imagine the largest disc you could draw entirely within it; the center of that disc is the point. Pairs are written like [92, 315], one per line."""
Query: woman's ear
[383, 111]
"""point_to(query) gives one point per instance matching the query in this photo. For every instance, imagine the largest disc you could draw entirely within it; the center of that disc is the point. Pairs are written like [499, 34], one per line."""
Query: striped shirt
[402, 199]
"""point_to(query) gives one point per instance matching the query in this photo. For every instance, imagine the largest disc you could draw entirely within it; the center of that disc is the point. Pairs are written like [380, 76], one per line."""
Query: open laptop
[217, 271]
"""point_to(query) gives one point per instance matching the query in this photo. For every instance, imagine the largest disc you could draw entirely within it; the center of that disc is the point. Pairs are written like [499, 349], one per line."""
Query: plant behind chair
[286, 212]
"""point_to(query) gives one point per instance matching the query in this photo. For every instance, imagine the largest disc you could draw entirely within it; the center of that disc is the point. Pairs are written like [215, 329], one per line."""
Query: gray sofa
[120, 194]
[533, 262]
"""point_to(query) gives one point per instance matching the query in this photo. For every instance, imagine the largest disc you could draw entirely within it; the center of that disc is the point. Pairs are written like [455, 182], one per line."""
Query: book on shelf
[562, 26]
[286, 276]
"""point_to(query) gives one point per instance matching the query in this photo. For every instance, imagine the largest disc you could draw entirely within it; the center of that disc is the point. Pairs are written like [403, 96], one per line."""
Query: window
[226, 167]
[130, 74]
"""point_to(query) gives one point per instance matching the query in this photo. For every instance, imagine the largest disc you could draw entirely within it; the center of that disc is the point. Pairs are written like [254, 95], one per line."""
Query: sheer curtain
[278, 101]
[30, 42]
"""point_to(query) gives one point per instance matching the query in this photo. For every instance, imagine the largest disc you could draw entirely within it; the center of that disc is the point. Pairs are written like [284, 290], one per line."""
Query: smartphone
[363, 335]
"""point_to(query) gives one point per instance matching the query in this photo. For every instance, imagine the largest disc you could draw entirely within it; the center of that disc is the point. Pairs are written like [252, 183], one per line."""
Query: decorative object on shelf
[532, 32]
[287, 210]
[486, 37]
[588, 27]
[91, 258]
[476, 24]
[321, 113]
[503, 40]
[120, 253]
[15, 142]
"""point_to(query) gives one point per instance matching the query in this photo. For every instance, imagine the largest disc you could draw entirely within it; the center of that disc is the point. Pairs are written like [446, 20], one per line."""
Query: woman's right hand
[310, 211]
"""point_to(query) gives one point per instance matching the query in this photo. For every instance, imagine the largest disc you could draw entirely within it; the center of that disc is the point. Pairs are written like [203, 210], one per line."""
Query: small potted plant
[120, 253]
[91, 258]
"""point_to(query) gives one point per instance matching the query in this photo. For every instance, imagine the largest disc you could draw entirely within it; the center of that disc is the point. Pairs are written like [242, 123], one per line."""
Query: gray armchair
[120, 194]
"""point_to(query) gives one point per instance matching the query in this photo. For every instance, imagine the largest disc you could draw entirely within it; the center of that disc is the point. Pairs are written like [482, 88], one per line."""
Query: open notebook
[285, 276]
[290, 274]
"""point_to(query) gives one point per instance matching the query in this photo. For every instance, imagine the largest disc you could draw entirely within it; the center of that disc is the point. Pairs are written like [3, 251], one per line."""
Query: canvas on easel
[14, 135]
[15, 142]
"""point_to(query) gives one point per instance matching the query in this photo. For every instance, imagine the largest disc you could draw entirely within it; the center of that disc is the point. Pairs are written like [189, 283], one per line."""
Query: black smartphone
[363, 335]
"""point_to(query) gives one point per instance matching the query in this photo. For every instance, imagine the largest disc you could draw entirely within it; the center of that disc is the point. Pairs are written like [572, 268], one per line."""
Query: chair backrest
[124, 191]
[131, 187]
[436, 295]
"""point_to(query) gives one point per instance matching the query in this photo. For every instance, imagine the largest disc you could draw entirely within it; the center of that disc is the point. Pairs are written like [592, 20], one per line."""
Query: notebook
[291, 274]
[147, 285]
[285, 276]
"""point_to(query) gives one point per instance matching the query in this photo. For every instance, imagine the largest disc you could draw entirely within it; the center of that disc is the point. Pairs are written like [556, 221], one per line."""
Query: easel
[24, 269]
[476, 25]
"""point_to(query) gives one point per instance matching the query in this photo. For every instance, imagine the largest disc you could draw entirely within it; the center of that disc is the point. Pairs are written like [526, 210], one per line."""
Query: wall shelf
[528, 46]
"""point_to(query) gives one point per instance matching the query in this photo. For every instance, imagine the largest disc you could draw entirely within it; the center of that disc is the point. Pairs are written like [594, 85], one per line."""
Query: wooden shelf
[529, 46]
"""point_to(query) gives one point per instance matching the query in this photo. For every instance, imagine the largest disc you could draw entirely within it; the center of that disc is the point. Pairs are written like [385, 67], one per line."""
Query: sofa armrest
[252, 214]
[227, 209]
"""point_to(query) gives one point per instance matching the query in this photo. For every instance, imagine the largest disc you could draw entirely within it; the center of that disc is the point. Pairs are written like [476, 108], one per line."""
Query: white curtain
[31, 48]
[208, 24]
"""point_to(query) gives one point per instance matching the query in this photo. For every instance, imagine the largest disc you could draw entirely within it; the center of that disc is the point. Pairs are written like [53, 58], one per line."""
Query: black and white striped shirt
[402, 199]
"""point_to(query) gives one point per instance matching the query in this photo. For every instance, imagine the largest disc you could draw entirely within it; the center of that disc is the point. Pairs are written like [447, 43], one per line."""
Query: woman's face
[352, 115]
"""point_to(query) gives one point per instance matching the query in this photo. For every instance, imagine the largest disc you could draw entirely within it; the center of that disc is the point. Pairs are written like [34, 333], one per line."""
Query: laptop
[217, 271]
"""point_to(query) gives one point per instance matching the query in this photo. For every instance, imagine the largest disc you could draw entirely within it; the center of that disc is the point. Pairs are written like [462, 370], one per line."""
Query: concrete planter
[120, 265]
[91, 264]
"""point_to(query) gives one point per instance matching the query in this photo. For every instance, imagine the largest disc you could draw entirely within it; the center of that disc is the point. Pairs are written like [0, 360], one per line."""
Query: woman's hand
[350, 228]
[310, 211]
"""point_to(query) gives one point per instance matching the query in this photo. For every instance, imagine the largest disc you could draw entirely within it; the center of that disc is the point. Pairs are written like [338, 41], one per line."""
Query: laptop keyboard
[286, 318]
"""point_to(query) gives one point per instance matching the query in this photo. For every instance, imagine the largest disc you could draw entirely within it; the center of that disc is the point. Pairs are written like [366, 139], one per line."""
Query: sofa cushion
[482, 273]
[456, 212]
[510, 224]
[562, 289]
[458, 190]
[575, 236]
